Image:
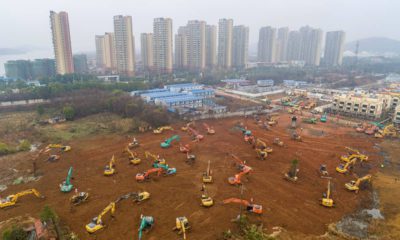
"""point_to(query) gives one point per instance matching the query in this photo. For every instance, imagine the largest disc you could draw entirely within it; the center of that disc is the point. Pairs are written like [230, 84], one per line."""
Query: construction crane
[140, 177]
[63, 148]
[250, 207]
[207, 177]
[293, 171]
[162, 129]
[210, 130]
[343, 168]
[110, 168]
[181, 225]
[353, 154]
[354, 185]
[66, 185]
[12, 199]
[197, 136]
[156, 159]
[134, 143]
[79, 197]
[97, 223]
[167, 142]
[327, 200]
[146, 223]
[133, 157]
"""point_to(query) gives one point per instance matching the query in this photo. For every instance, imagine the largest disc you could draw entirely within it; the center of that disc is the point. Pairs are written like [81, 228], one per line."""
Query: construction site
[198, 177]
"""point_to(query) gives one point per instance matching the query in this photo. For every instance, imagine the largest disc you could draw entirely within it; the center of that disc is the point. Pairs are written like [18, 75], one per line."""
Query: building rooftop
[161, 94]
[180, 98]
[201, 90]
[182, 85]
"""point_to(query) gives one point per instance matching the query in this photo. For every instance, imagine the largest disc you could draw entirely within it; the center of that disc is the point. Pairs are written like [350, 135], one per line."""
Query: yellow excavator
[186, 127]
[210, 130]
[388, 131]
[97, 223]
[110, 168]
[207, 177]
[11, 200]
[344, 168]
[327, 200]
[135, 143]
[133, 157]
[162, 129]
[278, 142]
[263, 146]
[354, 185]
[156, 159]
[182, 225]
[206, 200]
[63, 148]
[353, 153]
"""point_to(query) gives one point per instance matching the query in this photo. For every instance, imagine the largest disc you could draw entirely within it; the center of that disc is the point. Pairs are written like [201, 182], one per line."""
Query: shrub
[47, 214]
[24, 145]
[5, 149]
[15, 233]
[69, 113]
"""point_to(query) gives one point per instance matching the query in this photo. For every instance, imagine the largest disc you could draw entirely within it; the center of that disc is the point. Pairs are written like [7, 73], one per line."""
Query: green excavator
[146, 223]
[323, 118]
[66, 185]
[165, 167]
[167, 142]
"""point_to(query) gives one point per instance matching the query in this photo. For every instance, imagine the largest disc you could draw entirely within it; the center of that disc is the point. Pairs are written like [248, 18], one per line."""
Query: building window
[356, 105]
[364, 110]
[372, 107]
[355, 109]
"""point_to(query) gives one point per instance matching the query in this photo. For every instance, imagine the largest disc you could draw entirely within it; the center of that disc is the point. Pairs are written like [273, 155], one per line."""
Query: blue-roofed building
[203, 93]
[183, 87]
[293, 83]
[151, 97]
[180, 101]
[154, 90]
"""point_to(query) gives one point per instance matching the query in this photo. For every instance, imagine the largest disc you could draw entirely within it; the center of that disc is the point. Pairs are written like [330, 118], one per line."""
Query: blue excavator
[167, 142]
[66, 185]
[146, 223]
[167, 170]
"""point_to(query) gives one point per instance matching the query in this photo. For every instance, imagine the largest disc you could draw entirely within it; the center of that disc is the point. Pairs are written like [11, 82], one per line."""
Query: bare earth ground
[294, 206]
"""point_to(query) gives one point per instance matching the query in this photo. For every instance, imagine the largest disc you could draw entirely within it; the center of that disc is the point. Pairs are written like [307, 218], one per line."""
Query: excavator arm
[12, 199]
[97, 223]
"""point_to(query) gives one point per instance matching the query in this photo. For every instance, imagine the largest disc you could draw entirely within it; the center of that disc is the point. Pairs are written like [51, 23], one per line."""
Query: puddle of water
[374, 213]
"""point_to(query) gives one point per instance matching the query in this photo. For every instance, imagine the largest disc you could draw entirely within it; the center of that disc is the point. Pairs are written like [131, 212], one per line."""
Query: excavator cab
[134, 143]
[79, 198]
[94, 225]
[109, 169]
[207, 178]
[182, 225]
[323, 170]
[254, 208]
[141, 196]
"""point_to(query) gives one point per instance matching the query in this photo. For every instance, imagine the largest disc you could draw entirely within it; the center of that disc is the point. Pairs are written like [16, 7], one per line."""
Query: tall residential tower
[240, 43]
[334, 47]
[146, 43]
[225, 31]
[162, 45]
[124, 45]
[267, 44]
[211, 46]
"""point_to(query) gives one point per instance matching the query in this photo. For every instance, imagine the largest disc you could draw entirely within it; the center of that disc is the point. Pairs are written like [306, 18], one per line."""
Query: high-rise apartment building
[294, 45]
[181, 52]
[146, 42]
[267, 44]
[240, 42]
[106, 58]
[162, 45]
[80, 63]
[211, 46]
[225, 37]
[196, 44]
[334, 47]
[124, 45]
[61, 42]
[311, 45]
[282, 44]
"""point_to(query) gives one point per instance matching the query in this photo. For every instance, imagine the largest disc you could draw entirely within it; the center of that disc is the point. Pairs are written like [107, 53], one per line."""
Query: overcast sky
[26, 22]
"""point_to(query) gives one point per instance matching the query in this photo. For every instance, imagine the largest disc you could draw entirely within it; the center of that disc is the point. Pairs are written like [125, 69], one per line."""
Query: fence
[232, 114]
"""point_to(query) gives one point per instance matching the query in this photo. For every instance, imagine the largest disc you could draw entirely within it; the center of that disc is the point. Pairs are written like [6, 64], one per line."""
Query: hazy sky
[26, 22]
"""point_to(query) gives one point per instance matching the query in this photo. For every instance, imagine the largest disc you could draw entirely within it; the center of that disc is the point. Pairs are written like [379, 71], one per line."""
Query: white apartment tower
[282, 44]
[293, 47]
[311, 45]
[162, 45]
[61, 42]
[225, 32]
[146, 50]
[334, 47]
[181, 53]
[240, 42]
[124, 45]
[196, 44]
[105, 52]
[211, 46]
[267, 45]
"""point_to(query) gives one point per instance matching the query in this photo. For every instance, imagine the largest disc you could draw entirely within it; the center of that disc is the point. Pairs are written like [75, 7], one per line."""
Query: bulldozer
[140, 177]
[210, 130]
[79, 197]
[344, 168]
[135, 143]
[250, 207]
[278, 142]
[110, 168]
[327, 200]
[133, 157]
[167, 142]
[293, 171]
[388, 131]
[162, 129]
[63, 148]
[96, 224]
[66, 185]
[207, 177]
[12, 199]
[156, 159]
[353, 153]
[146, 223]
[354, 185]
[181, 225]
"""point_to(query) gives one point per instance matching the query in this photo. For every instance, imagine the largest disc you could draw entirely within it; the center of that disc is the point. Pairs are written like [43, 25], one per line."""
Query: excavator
[97, 223]
[135, 143]
[278, 142]
[182, 225]
[236, 179]
[146, 223]
[53, 158]
[344, 168]
[327, 200]
[323, 118]
[250, 207]
[207, 177]
[66, 185]
[156, 159]
[293, 171]
[296, 137]
[323, 171]
[312, 120]
[362, 127]
[353, 153]
[186, 127]
[371, 130]
[133, 157]
[241, 164]
[260, 144]
[388, 131]
[197, 136]
[354, 185]
[11, 200]
[162, 129]
[79, 197]
[63, 148]
[167, 142]
[206, 200]
[262, 155]
[137, 196]
[140, 177]
[110, 168]
[273, 120]
[167, 170]
[184, 148]
[210, 130]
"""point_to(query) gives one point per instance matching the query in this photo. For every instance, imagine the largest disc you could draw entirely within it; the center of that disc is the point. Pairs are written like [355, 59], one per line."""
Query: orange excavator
[140, 177]
[210, 130]
[197, 136]
[250, 207]
[236, 179]
[241, 164]
[184, 148]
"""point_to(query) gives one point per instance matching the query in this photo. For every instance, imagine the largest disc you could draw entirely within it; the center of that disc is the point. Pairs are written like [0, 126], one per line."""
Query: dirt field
[294, 206]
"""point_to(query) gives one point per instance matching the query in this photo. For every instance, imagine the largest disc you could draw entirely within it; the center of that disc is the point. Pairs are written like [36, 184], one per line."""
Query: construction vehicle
[344, 168]
[167, 170]
[12, 199]
[184, 148]
[354, 185]
[162, 129]
[97, 223]
[207, 177]
[241, 164]
[181, 225]
[323, 118]
[140, 177]
[146, 223]
[296, 137]
[236, 179]
[133, 157]
[195, 134]
[362, 127]
[327, 200]
[309, 120]
[79, 197]
[190, 158]
[273, 120]
[260, 144]
[261, 154]
[206, 200]
[66, 185]
[310, 105]
[167, 142]
[323, 171]
[293, 171]
[134, 143]
[110, 168]
[371, 130]
[156, 159]
[63, 148]
[353, 153]
[210, 130]
[388, 131]
[186, 127]
[140, 196]
[53, 158]
[278, 142]
[250, 207]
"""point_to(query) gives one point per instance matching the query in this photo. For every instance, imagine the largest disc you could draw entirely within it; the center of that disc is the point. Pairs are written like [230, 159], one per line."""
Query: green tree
[40, 110]
[48, 215]
[24, 145]
[69, 113]
[15, 233]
